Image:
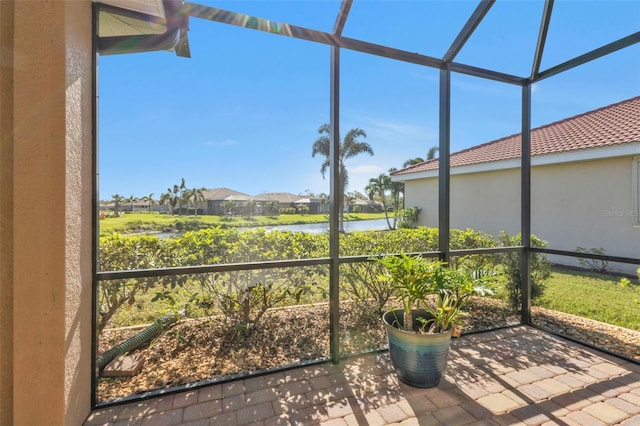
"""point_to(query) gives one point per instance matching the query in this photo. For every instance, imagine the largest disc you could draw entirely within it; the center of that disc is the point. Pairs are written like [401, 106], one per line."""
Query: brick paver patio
[515, 376]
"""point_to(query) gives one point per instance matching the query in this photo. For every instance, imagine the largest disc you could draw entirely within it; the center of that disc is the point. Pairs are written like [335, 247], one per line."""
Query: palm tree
[174, 196]
[117, 199]
[350, 146]
[132, 198]
[378, 187]
[397, 191]
[431, 154]
[150, 201]
[412, 161]
[179, 192]
[194, 196]
[166, 198]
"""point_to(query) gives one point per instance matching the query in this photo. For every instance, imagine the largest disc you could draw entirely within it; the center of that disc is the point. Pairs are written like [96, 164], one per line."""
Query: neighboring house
[126, 206]
[360, 205]
[284, 200]
[585, 184]
[221, 201]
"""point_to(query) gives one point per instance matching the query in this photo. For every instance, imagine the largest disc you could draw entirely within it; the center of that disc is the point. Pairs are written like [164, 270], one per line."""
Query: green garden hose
[136, 341]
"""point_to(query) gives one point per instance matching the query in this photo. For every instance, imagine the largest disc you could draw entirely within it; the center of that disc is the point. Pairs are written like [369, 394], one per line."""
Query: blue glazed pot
[419, 359]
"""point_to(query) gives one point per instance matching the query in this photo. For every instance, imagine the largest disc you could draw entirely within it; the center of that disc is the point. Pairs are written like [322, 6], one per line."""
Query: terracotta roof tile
[614, 124]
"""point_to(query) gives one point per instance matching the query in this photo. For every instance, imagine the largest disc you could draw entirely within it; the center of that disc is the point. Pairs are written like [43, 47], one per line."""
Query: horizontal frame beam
[208, 269]
[619, 259]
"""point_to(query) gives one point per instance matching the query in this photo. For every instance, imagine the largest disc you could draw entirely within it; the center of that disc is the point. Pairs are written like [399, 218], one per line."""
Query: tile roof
[281, 197]
[614, 124]
[224, 194]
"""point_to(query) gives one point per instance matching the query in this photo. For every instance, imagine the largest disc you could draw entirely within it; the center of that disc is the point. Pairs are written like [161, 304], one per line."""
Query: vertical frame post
[94, 205]
[335, 205]
[525, 208]
[444, 175]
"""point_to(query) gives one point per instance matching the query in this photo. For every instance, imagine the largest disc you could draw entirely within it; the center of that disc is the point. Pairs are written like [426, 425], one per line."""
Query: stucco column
[45, 212]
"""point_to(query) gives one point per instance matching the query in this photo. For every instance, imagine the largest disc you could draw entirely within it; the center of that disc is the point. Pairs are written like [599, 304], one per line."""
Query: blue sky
[243, 112]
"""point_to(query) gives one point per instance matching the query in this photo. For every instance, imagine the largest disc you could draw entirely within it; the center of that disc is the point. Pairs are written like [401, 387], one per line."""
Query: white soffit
[112, 23]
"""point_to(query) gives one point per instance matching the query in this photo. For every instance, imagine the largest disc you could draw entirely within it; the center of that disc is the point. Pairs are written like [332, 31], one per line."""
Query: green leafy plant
[596, 265]
[414, 279]
[408, 218]
[539, 268]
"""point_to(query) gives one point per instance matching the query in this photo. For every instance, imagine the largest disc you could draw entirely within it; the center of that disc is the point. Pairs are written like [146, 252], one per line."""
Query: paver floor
[515, 376]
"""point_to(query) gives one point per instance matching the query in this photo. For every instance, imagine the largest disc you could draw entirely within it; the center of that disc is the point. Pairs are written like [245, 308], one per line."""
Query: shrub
[408, 218]
[360, 281]
[539, 267]
[119, 253]
[469, 239]
[595, 265]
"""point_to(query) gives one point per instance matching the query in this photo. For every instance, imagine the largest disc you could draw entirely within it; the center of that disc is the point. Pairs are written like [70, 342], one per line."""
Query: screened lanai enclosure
[496, 135]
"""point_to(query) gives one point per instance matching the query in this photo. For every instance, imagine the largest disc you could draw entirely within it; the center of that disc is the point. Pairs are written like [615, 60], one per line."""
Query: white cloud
[397, 131]
[368, 169]
[226, 142]
[423, 76]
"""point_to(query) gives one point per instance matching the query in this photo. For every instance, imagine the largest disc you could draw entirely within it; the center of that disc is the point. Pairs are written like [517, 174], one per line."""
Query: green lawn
[595, 296]
[140, 222]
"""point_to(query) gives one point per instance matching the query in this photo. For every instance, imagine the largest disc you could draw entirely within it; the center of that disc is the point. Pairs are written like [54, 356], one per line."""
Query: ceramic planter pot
[419, 359]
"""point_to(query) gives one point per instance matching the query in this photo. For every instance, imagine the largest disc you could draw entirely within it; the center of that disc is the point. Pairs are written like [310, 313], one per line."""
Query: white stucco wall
[583, 203]
[488, 201]
[587, 204]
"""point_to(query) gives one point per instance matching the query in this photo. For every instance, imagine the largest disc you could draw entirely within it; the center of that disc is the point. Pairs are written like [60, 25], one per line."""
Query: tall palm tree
[350, 147]
[117, 199]
[194, 196]
[378, 187]
[397, 191]
[165, 198]
[179, 192]
[174, 196]
[132, 198]
[150, 201]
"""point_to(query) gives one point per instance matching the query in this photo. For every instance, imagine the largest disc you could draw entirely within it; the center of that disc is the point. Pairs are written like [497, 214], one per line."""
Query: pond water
[320, 228]
[311, 228]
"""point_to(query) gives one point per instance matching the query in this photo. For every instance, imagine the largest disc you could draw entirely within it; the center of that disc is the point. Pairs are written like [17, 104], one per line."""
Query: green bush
[408, 218]
[539, 267]
[361, 281]
[118, 253]
[244, 295]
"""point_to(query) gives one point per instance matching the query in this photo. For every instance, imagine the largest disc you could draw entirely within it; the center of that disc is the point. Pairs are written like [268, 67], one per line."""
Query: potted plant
[433, 296]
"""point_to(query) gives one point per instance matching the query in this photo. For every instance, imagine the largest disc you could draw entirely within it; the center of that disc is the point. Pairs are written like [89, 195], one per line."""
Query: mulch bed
[203, 349]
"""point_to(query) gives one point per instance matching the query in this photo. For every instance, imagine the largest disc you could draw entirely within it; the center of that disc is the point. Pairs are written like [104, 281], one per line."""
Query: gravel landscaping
[203, 349]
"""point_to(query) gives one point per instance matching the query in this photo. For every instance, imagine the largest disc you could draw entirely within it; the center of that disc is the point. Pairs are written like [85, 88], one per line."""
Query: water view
[311, 228]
